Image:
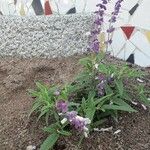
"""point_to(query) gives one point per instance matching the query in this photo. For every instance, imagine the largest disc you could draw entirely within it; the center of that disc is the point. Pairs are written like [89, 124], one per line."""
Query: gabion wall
[48, 37]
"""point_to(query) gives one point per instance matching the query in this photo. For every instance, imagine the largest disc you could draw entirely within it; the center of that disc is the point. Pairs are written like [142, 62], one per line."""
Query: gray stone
[43, 36]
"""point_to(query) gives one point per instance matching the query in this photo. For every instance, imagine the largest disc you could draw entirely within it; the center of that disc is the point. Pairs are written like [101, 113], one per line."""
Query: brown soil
[17, 131]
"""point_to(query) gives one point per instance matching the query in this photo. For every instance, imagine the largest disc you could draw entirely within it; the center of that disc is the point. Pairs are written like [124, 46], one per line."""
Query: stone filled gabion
[47, 37]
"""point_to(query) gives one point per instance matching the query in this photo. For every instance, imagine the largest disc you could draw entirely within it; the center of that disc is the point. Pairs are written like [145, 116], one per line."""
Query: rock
[31, 147]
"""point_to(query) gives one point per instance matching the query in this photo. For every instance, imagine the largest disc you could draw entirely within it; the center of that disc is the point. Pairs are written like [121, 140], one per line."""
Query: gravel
[44, 36]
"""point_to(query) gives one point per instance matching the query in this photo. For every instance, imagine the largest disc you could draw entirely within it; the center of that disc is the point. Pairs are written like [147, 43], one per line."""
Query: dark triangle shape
[37, 6]
[15, 2]
[133, 9]
[131, 59]
[128, 30]
[48, 10]
[72, 11]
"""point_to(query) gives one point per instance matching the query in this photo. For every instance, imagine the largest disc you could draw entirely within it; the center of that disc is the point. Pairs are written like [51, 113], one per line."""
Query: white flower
[60, 114]
[64, 121]
[96, 78]
[86, 129]
[87, 120]
[96, 66]
[85, 134]
[112, 75]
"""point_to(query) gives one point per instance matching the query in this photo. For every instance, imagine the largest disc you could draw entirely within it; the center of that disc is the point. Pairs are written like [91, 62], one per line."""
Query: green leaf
[52, 128]
[120, 87]
[73, 104]
[120, 102]
[100, 56]
[99, 122]
[87, 63]
[65, 133]
[83, 104]
[33, 93]
[116, 107]
[103, 68]
[43, 112]
[144, 100]
[114, 115]
[90, 112]
[35, 107]
[90, 106]
[108, 90]
[49, 142]
[103, 99]
[47, 117]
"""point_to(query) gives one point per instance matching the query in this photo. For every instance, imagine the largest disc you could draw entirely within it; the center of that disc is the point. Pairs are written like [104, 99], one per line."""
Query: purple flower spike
[109, 41]
[105, 1]
[110, 30]
[70, 115]
[94, 44]
[62, 106]
[102, 6]
[80, 123]
[101, 88]
[100, 12]
[101, 77]
[113, 20]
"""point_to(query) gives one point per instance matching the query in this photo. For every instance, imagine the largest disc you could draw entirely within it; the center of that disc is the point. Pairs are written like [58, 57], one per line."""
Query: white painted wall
[141, 19]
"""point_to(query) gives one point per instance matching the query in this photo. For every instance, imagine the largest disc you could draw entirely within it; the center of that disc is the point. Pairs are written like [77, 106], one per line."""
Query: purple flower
[80, 123]
[110, 30]
[62, 106]
[101, 88]
[117, 8]
[99, 12]
[105, 1]
[99, 21]
[77, 121]
[113, 20]
[108, 41]
[110, 79]
[102, 6]
[101, 77]
[70, 115]
[94, 44]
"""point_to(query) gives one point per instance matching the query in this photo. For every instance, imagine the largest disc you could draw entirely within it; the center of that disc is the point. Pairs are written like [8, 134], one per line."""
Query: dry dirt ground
[17, 131]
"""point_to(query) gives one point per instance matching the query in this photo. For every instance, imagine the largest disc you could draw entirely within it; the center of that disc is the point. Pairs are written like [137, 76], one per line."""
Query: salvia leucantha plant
[97, 92]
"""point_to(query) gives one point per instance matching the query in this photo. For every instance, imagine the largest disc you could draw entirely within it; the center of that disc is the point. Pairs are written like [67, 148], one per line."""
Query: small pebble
[31, 147]
[103, 129]
[144, 107]
[134, 103]
[118, 131]
[139, 80]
